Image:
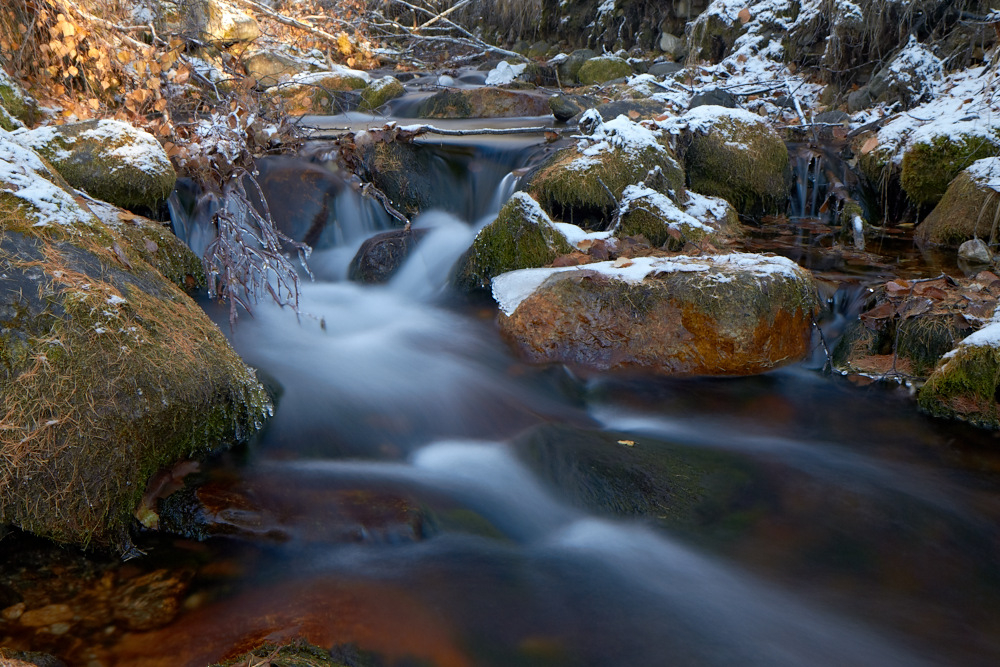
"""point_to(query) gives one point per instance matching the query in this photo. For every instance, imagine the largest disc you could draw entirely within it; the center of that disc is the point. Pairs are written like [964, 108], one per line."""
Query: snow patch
[22, 175]
[986, 172]
[504, 73]
[641, 196]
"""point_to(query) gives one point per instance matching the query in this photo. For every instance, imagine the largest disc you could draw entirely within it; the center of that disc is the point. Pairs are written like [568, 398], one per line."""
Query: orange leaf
[744, 15]
[870, 145]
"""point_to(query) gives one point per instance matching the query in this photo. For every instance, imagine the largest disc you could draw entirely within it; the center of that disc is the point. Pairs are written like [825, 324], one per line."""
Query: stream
[422, 495]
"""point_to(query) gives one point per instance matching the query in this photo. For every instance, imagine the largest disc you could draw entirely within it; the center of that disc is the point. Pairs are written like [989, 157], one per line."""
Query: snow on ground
[22, 174]
[986, 172]
[504, 73]
[640, 196]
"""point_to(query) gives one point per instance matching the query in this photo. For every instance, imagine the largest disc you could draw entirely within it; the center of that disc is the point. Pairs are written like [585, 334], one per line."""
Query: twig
[289, 21]
[369, 190]
[430, 129]
[444, 14]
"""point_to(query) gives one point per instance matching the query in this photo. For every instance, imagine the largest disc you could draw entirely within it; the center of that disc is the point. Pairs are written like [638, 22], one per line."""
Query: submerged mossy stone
[966, 385]
[603, 69]
[583, 185]
[736, 314]
[484, 102]
[970, 208]
[522, 236]
[929, 166]
[108, 159]
[381, 91]
[110, 372]
[735, 155]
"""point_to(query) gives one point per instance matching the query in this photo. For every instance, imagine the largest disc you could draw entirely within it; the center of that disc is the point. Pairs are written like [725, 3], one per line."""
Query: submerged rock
[735, 155]
[970, 207]
[583, 184]
[108, 159]
[110, 371]
[522, 236]
[380, 256]
[736, 314]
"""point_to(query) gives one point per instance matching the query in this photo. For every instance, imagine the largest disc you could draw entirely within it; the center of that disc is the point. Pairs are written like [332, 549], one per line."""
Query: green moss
[643, 216]
[446, 104]
[7, 121]
[602, 69]
[576, 189]
[965, 387]
[116, 374]
[744, 163]
[14, 102]
[967, 210]
[87, 156]
[928, 168]
[379, 92]
[923, 340]
[162, 250]
[519, 238]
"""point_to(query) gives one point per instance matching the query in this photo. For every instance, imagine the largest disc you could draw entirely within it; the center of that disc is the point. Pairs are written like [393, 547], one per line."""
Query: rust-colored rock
[736, 314]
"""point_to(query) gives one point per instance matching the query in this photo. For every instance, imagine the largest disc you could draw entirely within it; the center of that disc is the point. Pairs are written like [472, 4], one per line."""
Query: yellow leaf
[68, 29]
[160, 105]
[73, 71]
[94, 103]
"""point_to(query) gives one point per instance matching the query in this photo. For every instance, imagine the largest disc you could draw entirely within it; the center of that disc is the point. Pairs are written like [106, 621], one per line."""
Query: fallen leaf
[896, 286]
[122, 257]
[869, 145]
[882, 312]
[744, 15]
[622, 262]
[151, 245]
[627, 443]
[634, 115]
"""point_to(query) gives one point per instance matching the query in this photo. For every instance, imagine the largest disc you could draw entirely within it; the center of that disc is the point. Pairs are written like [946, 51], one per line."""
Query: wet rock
[582, 184]
[975, 251]
[602, 69]
[380, 256]
[968, 209]
[406, 173]
[486, 102]
[664, 69]
[328, 92]
[835, 116]
[110, 371]
[300, 196]
[569, 69]
[109, 159]
[17, 109]
[565, 106]
[11, 658]
[735, 155]
[522, 236]
[908, 326]
[665, 224]
[381, 91]
[736, 314]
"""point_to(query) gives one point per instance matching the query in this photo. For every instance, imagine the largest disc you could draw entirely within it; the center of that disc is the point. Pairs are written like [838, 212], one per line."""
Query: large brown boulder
[736, 314]
[485, 102]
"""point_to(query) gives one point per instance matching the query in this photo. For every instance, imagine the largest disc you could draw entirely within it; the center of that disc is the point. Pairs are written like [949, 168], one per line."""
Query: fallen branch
[444, 14]
[415, 130]
[289, 21]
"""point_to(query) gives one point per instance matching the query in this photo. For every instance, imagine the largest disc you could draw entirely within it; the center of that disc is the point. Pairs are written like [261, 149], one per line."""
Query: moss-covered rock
[930, 165]
[380, 256]
[569, 68]
[735, 155]
[603, 69]
[108, 159]
[322, 92]
[655, 216]
[583, 184]
[711, 35]
[970, 208]
[484, 102]
[16, 107]
[735, 314]
[269, 68]
[110, 372]
[380, 91]
[219, 21]
[521, 237]
[404, 172]
[298, 654]
[966, 385]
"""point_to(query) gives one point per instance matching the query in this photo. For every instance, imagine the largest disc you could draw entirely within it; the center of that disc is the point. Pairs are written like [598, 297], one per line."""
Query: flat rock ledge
[735, 314]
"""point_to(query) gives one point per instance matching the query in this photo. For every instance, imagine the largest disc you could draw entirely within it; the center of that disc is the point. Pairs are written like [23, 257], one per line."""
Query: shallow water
[422, 494]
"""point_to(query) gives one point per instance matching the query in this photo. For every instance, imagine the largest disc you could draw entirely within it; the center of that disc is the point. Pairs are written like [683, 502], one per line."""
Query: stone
[602, 69]
[735, 155]
[328, 92]
[565, 106]
[220, 21]
[671, 45]
[636, 110]
[569, 68]
[975, 251]
[109, 371]
[109, 159]
[912, 77]
[17, 108]
[583, 186]
[665, 224]
[736, 314]
[930, 165]
[522, 236]
[380, 91]
[269, 68]
[664, 69]
[714, 97]
[485, 102]
[380, 256]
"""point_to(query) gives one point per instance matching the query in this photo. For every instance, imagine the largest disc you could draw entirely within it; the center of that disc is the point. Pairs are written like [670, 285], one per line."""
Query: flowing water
[518, 515]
